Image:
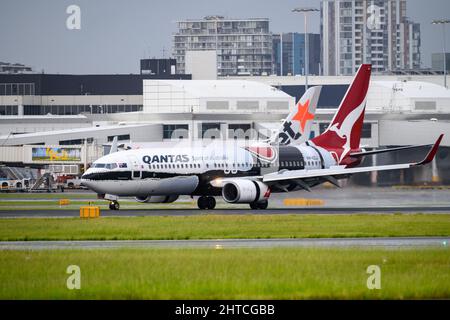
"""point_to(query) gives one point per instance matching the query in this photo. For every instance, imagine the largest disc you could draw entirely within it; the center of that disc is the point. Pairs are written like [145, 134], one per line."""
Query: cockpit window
[111, 166]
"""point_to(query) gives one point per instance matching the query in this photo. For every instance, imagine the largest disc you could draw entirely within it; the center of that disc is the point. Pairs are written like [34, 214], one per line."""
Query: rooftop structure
[200, 96]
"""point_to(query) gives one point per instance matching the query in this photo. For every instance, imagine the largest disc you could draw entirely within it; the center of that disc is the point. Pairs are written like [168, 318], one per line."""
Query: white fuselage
[189, 170]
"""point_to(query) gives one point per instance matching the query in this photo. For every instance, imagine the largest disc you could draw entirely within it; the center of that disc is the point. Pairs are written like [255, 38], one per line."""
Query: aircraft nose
[86, 178]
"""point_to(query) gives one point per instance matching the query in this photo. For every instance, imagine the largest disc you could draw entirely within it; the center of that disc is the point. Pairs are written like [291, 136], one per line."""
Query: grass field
[225, 227]
[225, 274]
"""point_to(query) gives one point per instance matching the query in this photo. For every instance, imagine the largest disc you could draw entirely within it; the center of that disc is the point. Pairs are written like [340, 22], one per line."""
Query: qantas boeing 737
[247, 174]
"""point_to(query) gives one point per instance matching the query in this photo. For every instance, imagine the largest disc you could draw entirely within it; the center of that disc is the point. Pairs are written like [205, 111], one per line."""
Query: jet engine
[244, 191]
[156, 199]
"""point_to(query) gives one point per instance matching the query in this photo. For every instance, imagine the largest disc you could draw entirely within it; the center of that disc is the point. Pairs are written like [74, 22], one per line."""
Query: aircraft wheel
[202, 202]
[253, 205]
[259, 205]
[263, 204]
[211, 202]
[114, 205]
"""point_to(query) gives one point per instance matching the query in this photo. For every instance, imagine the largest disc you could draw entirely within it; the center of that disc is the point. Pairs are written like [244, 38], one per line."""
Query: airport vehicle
[244, 174]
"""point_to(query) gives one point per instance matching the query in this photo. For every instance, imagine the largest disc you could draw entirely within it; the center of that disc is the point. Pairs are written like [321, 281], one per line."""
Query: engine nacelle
[244, 191]
[156, 199]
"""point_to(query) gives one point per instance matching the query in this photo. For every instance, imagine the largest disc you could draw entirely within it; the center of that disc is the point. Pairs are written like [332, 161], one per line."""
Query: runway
[66, 213]
[394, 243]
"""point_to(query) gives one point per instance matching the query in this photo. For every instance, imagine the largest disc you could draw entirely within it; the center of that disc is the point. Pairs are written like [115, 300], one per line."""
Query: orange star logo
[303, 116]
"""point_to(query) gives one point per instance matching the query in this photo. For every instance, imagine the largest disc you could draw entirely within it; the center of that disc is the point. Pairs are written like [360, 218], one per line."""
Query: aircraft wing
[339, 171]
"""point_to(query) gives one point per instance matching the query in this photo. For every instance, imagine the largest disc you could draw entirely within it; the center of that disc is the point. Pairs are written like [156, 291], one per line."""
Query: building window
[71, 142]
[323, 126]
[366, 131]
[119, 137]
[216, 105]
[175, 131]
[75, 142]
[239, 131]
[8, 110]
[210, 130]
[31, 110]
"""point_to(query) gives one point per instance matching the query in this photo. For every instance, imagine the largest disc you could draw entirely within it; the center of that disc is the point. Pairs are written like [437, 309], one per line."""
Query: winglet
[432, 153]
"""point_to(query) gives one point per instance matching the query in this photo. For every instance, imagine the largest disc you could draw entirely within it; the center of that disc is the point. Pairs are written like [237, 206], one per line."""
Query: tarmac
[392, 243]
[346, 200]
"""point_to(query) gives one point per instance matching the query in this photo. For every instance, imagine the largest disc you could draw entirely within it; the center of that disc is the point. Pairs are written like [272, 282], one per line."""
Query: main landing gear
[114, 205]
[259, 205]
[206, 202]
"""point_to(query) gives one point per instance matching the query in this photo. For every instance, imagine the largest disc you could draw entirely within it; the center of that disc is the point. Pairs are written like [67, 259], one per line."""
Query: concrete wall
[201, 64]
[396, 132]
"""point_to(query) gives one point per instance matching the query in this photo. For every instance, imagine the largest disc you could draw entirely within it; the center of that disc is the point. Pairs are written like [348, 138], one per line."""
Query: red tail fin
[344, 132]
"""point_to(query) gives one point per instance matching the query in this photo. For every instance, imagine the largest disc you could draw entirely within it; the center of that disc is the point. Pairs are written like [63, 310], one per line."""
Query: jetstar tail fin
[296, 128]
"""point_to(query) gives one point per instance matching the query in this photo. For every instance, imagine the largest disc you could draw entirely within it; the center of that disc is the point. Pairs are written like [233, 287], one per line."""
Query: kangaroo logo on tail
[344, 131]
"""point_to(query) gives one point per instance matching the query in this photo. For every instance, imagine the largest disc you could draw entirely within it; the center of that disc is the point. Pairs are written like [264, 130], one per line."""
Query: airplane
[244, 174]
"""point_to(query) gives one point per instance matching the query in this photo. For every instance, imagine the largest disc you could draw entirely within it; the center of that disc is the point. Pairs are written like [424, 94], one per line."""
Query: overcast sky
[115, 34]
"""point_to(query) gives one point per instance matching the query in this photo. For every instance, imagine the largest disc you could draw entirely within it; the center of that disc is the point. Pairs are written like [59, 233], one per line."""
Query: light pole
[305, 11]
[443, 22]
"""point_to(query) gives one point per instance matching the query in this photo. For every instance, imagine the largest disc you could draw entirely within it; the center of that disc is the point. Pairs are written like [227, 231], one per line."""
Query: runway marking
[303, 202]
[393, 243]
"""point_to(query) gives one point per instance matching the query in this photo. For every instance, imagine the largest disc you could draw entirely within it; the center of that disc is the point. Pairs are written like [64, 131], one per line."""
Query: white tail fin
[296, 128]
[113, 145]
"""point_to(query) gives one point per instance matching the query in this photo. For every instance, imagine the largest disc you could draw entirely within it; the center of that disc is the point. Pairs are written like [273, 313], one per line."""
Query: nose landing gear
[206, 202]
[114, 205]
